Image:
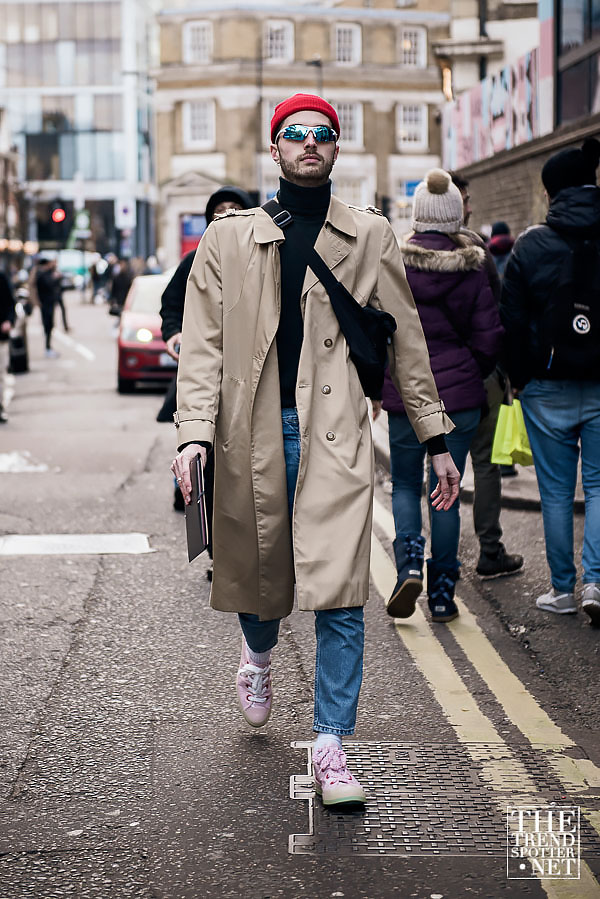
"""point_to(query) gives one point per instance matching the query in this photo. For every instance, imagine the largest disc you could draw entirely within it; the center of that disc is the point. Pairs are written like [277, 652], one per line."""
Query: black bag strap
[334, 288]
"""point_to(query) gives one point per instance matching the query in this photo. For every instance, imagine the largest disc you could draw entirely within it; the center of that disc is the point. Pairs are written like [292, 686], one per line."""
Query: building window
[198, 124]
[348, 44]
[278, 41]
[578, 82]
[268, 110]
[353, 191]
[197, 42]
[412, 47]
[351, 123]
[411, 126]
[404, 198]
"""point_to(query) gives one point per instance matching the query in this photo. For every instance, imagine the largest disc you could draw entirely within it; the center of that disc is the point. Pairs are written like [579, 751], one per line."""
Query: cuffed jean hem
[261, 636]
[327, 729]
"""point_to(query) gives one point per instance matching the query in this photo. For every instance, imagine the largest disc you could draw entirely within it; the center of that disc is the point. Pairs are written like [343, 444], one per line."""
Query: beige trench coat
[228, 395]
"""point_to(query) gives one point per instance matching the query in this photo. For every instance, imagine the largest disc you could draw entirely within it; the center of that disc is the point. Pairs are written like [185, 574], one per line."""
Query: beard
[312, 176]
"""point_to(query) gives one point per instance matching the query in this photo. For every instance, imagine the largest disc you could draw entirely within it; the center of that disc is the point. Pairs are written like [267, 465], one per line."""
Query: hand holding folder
[196, 522]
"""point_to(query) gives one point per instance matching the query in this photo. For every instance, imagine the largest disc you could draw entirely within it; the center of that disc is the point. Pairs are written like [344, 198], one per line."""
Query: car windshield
[146, 294]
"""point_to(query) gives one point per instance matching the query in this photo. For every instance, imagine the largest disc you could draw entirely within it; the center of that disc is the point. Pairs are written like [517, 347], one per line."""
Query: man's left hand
[446, 491]
[5, 327]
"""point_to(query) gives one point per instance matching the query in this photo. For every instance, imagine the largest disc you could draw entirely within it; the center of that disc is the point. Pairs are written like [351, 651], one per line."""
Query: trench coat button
[330, 435]
[328, 342]
[325, 389]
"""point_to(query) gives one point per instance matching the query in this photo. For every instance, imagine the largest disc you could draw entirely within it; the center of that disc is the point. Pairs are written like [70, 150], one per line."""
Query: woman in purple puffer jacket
[462, 328]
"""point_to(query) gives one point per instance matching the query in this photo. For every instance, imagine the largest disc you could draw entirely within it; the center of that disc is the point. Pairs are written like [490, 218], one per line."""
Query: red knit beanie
[298, 103]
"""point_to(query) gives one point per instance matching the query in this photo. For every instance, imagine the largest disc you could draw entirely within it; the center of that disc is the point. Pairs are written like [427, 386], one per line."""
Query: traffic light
[58, 214]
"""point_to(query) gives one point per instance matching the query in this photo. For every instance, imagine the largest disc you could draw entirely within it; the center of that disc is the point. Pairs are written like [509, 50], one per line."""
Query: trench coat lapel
[330, 244]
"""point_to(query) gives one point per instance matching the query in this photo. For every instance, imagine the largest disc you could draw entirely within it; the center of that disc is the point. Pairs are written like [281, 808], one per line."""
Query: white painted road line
[73, 544]
[73, 345]
[19, 462]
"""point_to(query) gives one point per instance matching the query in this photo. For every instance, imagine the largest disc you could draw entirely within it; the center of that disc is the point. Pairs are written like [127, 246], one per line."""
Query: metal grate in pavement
[435, 799]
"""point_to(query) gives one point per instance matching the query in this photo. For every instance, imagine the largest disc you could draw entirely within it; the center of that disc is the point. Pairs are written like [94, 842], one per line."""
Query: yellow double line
[498, 763]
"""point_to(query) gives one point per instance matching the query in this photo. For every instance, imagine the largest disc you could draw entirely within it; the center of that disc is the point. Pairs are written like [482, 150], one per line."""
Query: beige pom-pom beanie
[438, 204]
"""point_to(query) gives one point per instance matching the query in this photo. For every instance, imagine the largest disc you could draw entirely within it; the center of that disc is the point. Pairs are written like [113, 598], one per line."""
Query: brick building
[549, 100]
[224, 67]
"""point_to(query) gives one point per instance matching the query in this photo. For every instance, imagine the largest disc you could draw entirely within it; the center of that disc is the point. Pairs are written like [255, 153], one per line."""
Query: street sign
[82, 225]
[125, 216]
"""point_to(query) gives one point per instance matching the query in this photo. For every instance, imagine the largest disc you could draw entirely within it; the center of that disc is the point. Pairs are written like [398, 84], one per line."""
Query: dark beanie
[500, 228]
[224, 194]
[573, 167]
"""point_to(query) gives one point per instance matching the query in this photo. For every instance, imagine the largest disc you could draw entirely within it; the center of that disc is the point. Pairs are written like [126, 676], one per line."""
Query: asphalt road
[125, 767]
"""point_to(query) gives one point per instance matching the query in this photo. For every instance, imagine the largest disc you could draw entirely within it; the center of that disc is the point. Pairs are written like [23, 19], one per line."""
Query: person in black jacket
[550, 308]
[171, 312]
[7, 320]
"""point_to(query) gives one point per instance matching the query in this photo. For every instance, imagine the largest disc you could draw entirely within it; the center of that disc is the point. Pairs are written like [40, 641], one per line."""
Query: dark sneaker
[3, 416]
[501, 564]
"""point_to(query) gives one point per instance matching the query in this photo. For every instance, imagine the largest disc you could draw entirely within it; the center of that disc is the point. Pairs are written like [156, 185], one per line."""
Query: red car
[142, 351]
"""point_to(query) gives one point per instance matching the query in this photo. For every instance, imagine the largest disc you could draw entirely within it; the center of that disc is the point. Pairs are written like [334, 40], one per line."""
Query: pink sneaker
[332, 779]
[254, 690]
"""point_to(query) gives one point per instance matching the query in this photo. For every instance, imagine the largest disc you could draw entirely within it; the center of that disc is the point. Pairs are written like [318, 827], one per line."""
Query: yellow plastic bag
[511, 443]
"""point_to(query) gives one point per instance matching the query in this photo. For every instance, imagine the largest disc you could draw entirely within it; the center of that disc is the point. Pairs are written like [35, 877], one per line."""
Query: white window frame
[343, 181]
[412, 33]
[411, 135]
[355, 32]
[190, 56]
[187, 111]
[356, 141]
[287, 54]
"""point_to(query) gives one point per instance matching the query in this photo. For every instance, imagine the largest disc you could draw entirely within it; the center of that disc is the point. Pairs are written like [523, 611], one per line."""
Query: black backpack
[570, 326]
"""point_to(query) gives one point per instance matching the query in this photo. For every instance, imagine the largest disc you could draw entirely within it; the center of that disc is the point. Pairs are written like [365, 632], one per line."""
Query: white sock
[259, 658]
[324, 739]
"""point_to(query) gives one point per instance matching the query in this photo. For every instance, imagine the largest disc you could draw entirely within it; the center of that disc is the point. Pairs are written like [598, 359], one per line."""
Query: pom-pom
[591, 151]
[437, 181]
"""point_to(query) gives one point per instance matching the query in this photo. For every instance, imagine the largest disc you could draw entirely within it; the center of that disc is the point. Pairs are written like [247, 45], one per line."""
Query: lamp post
[317, 62]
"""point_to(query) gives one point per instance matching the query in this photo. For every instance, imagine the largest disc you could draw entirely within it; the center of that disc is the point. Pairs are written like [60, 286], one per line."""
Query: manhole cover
[427, 799]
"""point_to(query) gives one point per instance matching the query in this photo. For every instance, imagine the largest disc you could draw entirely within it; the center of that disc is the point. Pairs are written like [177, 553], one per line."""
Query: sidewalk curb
[521, 503]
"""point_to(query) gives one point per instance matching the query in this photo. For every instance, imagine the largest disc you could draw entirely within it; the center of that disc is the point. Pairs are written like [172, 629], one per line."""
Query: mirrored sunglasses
[323, 134]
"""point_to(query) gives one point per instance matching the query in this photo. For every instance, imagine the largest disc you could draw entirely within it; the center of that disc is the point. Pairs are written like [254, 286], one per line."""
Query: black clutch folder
[196, 522]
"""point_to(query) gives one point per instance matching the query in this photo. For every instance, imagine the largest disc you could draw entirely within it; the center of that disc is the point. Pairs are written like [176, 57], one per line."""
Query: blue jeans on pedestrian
[339, 632]
[563, 421]
[407, 456]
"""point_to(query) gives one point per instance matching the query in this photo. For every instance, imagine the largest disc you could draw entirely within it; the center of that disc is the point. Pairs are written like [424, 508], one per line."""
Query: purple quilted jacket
[439, 271]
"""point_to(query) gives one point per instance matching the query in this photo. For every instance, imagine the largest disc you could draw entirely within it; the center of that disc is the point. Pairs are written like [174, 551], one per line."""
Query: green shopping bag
[511, 443]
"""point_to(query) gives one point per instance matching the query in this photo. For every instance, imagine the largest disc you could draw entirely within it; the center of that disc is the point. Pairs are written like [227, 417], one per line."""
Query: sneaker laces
[415, 548]
[332, 764]
[257, 680]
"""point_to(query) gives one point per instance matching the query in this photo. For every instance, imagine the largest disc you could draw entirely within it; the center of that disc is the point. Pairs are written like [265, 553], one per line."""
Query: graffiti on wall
[501, 112]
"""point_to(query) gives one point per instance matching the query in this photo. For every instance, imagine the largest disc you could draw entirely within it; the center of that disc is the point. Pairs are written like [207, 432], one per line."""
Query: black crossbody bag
[368, 331]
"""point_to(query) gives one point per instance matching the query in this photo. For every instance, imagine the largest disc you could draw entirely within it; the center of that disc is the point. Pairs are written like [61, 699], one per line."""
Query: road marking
[73, 544]
[18, 462]
[73, 345]
[471, 725]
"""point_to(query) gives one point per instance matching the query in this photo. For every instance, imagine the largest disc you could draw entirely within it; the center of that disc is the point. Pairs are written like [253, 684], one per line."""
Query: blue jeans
[407, 456]
[340, 632]
[563, 420]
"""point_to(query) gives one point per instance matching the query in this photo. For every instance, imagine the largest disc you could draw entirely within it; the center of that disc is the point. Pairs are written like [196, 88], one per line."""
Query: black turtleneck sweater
[308, 207]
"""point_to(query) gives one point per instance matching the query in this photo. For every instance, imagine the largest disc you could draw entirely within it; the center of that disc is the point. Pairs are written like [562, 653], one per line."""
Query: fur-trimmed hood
[427, 259]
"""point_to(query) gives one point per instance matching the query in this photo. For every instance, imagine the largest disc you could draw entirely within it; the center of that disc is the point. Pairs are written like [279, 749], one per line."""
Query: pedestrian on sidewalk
[266, 380]
[47, 288]
[500, 246]
[494, 561]
[460, 320]
[171, 313]
[551, 311]
[7, 320]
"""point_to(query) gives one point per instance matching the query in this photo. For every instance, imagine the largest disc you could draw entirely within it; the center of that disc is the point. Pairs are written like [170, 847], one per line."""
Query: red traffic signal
[58, 215]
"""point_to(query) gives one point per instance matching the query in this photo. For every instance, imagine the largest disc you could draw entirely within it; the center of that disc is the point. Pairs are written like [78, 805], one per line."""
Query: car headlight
[141, 335]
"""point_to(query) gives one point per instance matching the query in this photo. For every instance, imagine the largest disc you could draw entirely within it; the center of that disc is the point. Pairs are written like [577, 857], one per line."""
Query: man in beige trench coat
[265, 380]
